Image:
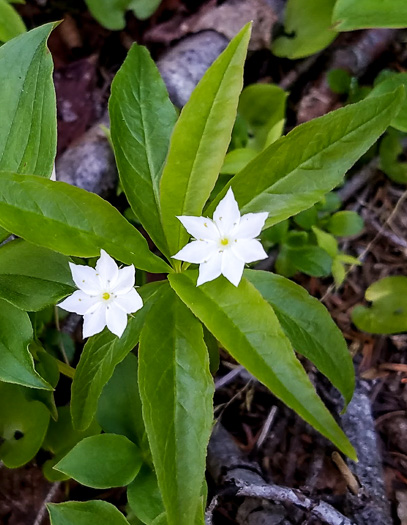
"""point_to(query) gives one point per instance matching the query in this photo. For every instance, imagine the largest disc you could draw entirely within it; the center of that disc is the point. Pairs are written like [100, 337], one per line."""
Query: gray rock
[89, 162]
[183, 66]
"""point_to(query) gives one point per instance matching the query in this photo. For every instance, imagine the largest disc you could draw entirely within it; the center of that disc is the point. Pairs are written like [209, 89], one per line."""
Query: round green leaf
[144, 496]
[101, 462]
[345, 223]
[307, 28]
[388, 312]
[23, 424]
[85, 513]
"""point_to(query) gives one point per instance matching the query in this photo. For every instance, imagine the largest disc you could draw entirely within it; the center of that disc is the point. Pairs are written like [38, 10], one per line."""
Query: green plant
[156, 425]
[111, 13]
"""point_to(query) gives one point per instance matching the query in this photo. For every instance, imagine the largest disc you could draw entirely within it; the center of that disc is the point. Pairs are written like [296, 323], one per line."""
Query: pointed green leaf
[23, 424]
[16, 362]
[349, 15]
[310, 328]
[176, 390]
[141, 118]
[31, 277]
[246, 325]
[28, 107]
[200, 140]
[296, 171]
[85, 513]
[71, 221]
[101, 354]
[102, 462]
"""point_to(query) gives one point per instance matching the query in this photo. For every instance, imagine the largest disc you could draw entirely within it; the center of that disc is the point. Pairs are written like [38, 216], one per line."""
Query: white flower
[105, 296]
[223, 245]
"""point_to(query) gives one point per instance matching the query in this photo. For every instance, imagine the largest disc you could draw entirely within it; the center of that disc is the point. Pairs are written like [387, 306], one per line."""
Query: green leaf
[247, 327]
[236, 160]
[339, 81]
[102, 462]
[143, 9]
[23, 424]
[296, 171]
[388, 312]
[11, 23]
[389, 84]
[310, 328]
[349, 15]
[16, 362]
[119, 408]
[85, 513]
[71, 221]
[27, 98]
[326, 241]
[110, 13]
[60, 439]
[101, 354]
[390, 150]
[345, 223]
[307, 28]
[31, 277]
[144, 496]
[263, 108]
[309, 259]
[200, 140]
[142, 119]
[176, 390]
[4, 234]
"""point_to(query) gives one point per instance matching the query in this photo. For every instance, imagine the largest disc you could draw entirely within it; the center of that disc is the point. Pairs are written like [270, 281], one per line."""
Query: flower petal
[250, 225]
[94, 322]
[249, 250]
[227, 214]
[130, 302]
[232, 267]
[85, 279]
[116, 319]
[200, 227]
[107, 270]
[125, 280]
[80, 303]
[196, 251]
[210, 269]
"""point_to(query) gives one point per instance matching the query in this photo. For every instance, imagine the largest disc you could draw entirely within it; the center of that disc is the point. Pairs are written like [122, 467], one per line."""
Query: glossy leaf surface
[85, 513]
[310, 328]
[200, 140]
[176, 390]
[296, 171]
[99, 358]
[246, 325]
[71, 221]
[363, 14]
[28, 107]
[102, 462]
[31, 277]
[16, 362]
[142, 118]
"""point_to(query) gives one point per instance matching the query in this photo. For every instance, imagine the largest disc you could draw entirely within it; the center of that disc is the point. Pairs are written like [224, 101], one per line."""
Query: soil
[86, 58]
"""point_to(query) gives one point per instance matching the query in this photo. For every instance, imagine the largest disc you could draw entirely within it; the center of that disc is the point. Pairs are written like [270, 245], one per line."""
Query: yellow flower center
[224, 242]
[106, 296]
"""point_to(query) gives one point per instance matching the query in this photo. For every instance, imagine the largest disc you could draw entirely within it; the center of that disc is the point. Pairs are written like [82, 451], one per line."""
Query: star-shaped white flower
[105, 296]
[223, 245]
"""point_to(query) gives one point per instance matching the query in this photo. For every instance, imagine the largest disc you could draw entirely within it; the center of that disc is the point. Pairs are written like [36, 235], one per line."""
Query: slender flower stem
[66, 369]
